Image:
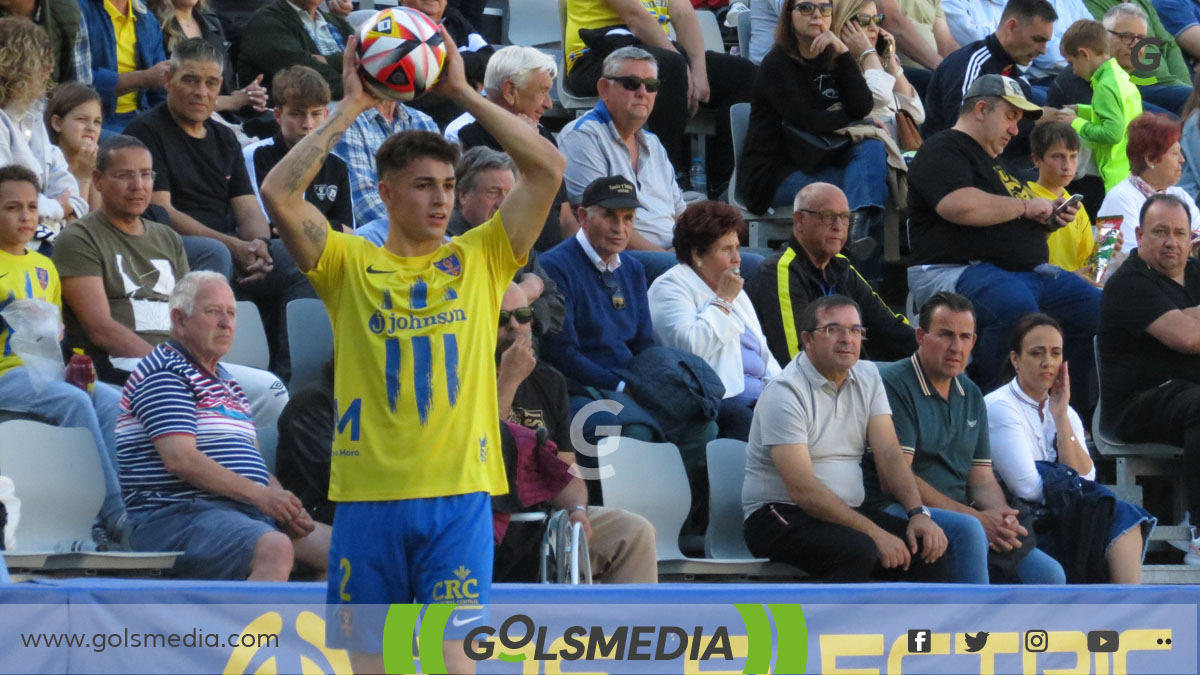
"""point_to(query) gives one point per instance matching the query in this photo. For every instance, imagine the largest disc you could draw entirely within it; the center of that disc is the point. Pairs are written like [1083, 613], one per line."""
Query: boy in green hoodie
[1115, 99]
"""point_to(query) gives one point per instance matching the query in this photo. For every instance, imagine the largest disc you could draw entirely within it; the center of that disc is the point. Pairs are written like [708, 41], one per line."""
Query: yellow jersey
[414, 365]
[24, 276]
[599, 14]
[1070, 246]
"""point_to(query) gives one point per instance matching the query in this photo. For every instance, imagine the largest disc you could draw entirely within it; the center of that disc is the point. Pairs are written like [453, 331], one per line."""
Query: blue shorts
[433, 550]
[217, 536]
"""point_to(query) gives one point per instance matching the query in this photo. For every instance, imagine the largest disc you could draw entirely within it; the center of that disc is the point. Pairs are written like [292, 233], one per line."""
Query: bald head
[514, 298]
[821, 196]
[821, 221]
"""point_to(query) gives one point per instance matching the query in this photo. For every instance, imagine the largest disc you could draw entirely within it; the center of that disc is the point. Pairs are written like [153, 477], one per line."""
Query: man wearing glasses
[803, 492]
[816, 268]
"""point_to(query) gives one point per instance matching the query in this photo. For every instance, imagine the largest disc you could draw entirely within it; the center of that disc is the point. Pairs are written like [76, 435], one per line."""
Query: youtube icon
[1103, 641]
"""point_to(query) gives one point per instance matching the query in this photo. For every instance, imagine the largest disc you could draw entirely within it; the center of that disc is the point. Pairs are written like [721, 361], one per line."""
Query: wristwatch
[921, 510]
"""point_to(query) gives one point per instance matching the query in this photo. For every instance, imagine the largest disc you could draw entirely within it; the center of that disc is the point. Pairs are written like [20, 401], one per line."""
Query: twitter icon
[975, 642]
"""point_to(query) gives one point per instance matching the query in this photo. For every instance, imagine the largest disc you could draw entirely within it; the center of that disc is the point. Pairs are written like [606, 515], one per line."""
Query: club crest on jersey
[43, 277]
[449, 265]
[326, 192]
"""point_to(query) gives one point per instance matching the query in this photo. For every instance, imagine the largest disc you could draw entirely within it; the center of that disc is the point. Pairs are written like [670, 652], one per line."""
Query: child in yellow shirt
[1055, 148]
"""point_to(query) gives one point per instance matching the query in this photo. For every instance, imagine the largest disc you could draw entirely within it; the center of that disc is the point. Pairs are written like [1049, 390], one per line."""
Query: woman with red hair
[1155, 164]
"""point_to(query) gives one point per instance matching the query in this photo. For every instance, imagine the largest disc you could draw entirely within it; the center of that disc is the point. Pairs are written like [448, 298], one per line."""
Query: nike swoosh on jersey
[464, 622]
[371, 270]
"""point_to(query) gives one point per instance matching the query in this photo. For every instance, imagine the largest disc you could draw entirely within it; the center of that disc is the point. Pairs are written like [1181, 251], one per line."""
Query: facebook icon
[918, 641]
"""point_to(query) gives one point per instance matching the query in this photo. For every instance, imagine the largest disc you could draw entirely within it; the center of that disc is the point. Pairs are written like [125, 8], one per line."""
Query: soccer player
[417, 450]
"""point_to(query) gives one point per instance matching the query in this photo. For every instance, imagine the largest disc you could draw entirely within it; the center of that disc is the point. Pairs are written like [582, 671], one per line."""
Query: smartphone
[884, 49]
[1073, 201]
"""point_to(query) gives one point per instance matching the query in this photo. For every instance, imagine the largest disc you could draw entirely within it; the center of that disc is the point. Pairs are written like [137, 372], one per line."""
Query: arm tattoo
[312, 155]
[314, 231]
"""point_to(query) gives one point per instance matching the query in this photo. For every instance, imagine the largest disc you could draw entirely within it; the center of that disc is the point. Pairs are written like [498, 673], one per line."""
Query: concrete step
[1170, 574]
[1169, 533]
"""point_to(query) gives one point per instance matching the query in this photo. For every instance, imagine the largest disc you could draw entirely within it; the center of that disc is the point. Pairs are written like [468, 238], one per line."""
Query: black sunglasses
[521, 314]
[807, 8]
[631, 83]
[865, 20]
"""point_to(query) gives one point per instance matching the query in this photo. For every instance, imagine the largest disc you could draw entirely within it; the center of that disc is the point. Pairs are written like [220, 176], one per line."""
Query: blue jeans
[1002, 297]
[69, 406]
[967, 554]
[1039, 568]
[206, 253]
[1170, 98]
[861, 173]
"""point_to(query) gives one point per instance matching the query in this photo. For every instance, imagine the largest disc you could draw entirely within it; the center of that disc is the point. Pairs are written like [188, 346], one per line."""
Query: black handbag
[811, 152]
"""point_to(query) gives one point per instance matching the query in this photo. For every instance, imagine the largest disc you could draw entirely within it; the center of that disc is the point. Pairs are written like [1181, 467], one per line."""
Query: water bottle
[81, 372]
[699, 180]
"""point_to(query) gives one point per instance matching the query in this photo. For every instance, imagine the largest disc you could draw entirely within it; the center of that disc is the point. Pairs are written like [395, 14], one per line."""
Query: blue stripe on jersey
[450, 347]
[392, 370]
[28, 285]
[416, 294]
[423, 376]
[386, 303]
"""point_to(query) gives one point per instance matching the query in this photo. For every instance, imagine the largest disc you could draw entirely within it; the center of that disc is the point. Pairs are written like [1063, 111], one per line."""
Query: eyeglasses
[610, 281]
[828, 217]
[1127, 39]
[866, 20]
[631, 83]
[521, 314]
[838, 331]
[807, 8]
[131, 176]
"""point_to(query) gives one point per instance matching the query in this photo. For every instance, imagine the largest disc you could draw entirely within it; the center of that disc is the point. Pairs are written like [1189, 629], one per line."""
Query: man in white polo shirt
[803, 493]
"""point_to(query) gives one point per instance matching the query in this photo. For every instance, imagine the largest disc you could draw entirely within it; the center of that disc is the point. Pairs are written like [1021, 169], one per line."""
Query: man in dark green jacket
[287, 33]
[68, 35]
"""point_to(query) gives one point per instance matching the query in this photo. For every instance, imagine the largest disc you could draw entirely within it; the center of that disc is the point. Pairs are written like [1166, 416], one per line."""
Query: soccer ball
[400, 53]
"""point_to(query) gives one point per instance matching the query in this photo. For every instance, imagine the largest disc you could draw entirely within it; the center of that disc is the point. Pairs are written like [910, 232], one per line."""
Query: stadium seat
[250, 339]
[726, 469]
[743, 34]
[711, 30]
[776, 224]
[307, 317]
[268, 439]
[532, 23]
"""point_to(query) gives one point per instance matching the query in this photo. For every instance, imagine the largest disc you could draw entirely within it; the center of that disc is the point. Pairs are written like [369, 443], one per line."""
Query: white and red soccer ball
[400, 53]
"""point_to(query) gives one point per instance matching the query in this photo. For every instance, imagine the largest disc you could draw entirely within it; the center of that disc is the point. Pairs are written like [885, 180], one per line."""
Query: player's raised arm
[540, 165]
[300, 225]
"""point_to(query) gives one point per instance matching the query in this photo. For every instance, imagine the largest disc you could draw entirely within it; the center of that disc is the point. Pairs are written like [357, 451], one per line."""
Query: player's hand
[518, 361]
[452, 83]
[922, 527]
[279, 504]
[581, 518]
[892, 551]
[353, 91]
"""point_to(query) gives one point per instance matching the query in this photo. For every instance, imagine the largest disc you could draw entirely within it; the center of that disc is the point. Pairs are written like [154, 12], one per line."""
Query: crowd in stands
[1008, 139]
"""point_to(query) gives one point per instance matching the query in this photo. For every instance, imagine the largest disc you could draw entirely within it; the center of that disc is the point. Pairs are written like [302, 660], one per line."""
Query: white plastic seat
[532, 23]
[308, 321]
[249, 346]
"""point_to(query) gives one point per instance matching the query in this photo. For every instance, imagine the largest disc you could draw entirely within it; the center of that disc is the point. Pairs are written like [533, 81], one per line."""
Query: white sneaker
[1185, 544]
[1193, 555]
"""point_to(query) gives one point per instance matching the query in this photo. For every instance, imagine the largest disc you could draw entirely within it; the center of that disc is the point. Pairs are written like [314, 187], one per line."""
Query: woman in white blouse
[880, 65]
[699, 306]
[1030, 421]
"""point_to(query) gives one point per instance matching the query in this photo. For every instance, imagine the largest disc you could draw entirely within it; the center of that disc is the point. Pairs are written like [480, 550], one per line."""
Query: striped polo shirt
[169, 393]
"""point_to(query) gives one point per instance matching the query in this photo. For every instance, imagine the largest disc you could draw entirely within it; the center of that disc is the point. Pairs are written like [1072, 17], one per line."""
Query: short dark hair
[1164, 197]
[402, 149]
[196, 49]
[67, 97]
[1046, 135]
[113, 144]
[701, 225]
[951, 301]
[808, 320]
[1085, 34]
[18, 173]
[968, 104]
[1026, 10]
[299, 87]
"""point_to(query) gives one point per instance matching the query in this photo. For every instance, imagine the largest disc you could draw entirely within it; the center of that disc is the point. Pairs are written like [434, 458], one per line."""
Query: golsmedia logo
[520, 634]
[1145, 60]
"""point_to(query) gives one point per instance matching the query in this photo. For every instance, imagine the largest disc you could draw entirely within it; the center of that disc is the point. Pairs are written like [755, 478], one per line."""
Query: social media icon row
[920, 641]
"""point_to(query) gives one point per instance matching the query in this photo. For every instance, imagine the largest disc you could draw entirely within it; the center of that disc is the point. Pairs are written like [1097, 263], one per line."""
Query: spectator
[533, 394]
[980, 232]
[1189, 143]
[928, 18]
[129, 66]
[483, 178]
[1026, 27]
[881, 69]
[26, 63]
[28, 276]
[610, 141]
[301, 104]
[689, 75]
[67, 31]
[1115, 100]
[1038, 436]
[193, 477]
[1181, 18]
[519, 79]
[1056, 156]
[803, 492]
[201, 180]
[973, 20]
[118, 269]
[73, 123]
[357, 149]
[815, 269]
[1149, 342]
[184, 19]
[699, 306]
[471, 45]
[294, 32]
[1156, 165]
[810, 81]
[936, 410]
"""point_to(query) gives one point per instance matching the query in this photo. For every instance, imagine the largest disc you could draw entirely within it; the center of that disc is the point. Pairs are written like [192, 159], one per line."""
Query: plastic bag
[12, 509]
[36, 329]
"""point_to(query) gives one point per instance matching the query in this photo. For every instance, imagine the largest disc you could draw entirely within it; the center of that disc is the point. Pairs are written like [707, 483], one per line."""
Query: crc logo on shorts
[463, 589]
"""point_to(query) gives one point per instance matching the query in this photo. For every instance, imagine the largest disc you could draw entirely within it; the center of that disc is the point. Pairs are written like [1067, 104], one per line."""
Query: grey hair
[1124, 9]
[183, 296]
[612, 62]
[195, 49]
[516, 64]
[475, 162]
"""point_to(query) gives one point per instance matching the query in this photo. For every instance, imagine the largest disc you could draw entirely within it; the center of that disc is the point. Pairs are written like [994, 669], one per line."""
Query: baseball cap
[611, 192]
[1007, 89]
